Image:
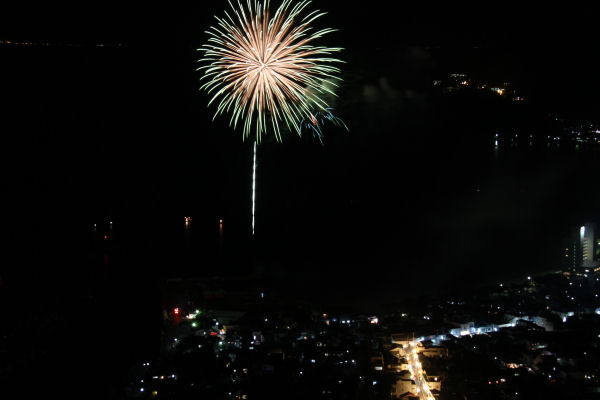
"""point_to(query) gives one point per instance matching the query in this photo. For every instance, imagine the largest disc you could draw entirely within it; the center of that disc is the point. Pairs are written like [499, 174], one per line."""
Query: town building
[582, 251]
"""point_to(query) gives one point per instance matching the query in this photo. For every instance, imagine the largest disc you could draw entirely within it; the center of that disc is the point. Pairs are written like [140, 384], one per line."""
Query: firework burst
[263, 69]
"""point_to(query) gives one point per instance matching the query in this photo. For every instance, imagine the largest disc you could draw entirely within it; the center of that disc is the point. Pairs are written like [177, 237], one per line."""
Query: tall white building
[583, 250]
[587, 241]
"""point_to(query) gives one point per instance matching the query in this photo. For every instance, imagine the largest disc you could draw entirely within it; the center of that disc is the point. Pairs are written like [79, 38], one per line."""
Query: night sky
[410, 194]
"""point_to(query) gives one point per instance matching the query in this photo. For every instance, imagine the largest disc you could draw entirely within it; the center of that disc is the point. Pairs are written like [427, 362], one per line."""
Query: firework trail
[263, 69]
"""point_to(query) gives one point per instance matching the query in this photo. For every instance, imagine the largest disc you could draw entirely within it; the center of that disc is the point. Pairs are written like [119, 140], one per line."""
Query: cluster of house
[393, 360]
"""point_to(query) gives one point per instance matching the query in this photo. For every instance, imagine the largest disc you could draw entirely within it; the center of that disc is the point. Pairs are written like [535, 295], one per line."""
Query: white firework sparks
[264, 69]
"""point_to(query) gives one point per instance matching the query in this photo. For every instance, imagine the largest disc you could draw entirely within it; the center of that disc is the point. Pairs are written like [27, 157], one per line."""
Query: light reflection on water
[203, 248]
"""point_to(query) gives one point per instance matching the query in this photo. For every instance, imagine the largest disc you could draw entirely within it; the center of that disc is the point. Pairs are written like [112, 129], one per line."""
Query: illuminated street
[416, 372]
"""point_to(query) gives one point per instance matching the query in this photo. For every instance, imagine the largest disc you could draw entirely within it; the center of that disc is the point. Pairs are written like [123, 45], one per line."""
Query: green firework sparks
[263, 68]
